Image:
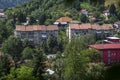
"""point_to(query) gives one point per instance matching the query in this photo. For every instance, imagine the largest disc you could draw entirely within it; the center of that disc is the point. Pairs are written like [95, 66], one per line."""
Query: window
[30, 35]
[114, 54]
[23, 35]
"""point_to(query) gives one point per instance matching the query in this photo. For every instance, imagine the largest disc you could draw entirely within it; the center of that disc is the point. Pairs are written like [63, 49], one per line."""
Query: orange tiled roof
[80, 26]
[102, 27]
[64, 19]
[52, 27]
[89, 26]
[35, 27]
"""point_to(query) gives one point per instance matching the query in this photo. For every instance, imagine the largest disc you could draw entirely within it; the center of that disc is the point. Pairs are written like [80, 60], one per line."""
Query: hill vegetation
[46, 12]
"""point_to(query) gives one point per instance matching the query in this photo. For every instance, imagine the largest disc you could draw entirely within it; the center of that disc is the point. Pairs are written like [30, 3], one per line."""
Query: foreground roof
[105, 46]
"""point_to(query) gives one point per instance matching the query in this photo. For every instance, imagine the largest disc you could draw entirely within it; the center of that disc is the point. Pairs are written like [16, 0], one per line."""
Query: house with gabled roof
[110, 53]
[63, 22]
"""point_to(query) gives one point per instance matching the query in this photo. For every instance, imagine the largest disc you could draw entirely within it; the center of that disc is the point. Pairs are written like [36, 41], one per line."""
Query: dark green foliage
[46, 12]
[13, 47]
[113, 73]
[112, 10]
[74, 60]
[79, 63]
[32, 20]
[84, 18]
[27, 53]
[39, 65]
[5, 30]
[52, 44]
[4, 65]
[94, 55]
[62, 41]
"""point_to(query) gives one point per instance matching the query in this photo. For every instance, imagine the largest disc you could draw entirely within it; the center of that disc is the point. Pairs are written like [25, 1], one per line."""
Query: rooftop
[80, 26]
[102, 27]
[64, 19]
[113, 38]
[89, 26]
[105, 46]
[36, 27]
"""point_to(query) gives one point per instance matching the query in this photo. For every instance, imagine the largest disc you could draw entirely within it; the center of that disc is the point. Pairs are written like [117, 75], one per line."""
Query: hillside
[10, 3]
[46, 12]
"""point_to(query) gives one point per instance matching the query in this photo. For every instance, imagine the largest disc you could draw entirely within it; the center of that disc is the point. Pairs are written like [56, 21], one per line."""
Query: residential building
[106, 12]
[36, 33]
[117, 26]
[63, 22]
[103, 31]
[100, 31]
[84, 11]
[112, 40]
[110, 52]
[78, 29]
[2, 16]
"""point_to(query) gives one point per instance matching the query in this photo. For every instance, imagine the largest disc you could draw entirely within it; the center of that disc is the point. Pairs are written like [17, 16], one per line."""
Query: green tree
[39, 65]
[13, 47]
[62, 41]
[94, 55]
[74, 63]
[5, 31]
[84, 18]
[22, 73]
[112, 9]
[27, 53]
[95, 71]
[52, 44]
[4, 65]
[77, 58]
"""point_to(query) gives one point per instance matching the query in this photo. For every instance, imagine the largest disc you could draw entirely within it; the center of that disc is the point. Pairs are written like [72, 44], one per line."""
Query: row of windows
[111, 54]
[113, 61]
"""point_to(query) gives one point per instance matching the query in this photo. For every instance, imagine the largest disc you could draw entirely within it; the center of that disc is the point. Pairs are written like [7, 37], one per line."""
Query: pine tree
[39, 66]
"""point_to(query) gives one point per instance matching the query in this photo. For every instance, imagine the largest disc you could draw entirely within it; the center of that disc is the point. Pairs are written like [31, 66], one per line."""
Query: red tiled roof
[105, 46]
[64, 19]
[36, 27]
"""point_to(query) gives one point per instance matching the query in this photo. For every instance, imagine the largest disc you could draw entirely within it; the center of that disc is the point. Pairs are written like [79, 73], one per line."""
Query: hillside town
[60, 40]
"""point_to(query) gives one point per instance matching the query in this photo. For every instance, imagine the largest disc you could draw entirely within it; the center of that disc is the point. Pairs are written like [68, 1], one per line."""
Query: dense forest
[10, 3]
